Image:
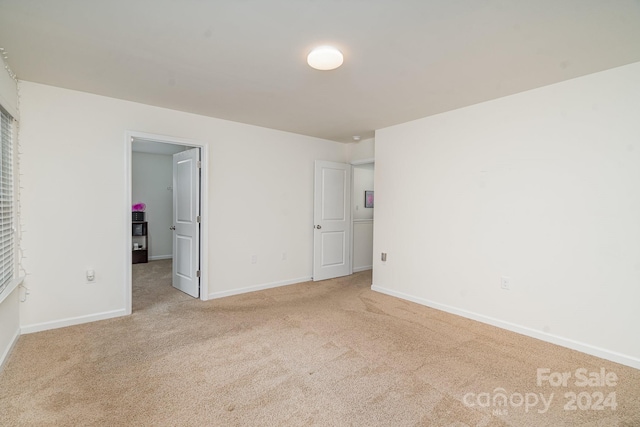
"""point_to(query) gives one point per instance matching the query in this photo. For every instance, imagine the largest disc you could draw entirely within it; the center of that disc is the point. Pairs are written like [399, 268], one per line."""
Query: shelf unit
[139, 239]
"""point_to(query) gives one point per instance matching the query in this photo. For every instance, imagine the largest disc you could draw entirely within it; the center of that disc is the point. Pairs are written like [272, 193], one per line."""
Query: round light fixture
[325, 58]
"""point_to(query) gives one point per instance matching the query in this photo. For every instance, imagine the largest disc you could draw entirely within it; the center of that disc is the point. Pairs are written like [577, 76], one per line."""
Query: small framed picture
[368, 199]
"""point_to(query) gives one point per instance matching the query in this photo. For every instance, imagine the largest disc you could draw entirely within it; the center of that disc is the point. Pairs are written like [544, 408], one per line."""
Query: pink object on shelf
[138, 207]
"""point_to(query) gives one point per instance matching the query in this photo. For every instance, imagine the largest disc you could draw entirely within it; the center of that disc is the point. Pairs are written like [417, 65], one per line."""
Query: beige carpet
[330, 353]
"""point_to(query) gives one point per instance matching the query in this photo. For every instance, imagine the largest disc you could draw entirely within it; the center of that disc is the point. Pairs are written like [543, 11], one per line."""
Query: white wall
[361, 150]
[151, 183]
[9, 317]
[362, 218]
[543, 187]
[362, 245]
[10, 324]
[74, 204]
[362, 181]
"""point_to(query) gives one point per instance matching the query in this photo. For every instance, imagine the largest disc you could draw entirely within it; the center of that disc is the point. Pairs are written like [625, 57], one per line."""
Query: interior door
[186, 221]
[332, 220]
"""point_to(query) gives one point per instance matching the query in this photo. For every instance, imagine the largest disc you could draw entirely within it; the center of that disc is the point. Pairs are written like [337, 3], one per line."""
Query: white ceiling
[244, 60]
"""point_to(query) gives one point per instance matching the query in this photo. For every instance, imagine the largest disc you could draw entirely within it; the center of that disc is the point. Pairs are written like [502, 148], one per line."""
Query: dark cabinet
[140, 242]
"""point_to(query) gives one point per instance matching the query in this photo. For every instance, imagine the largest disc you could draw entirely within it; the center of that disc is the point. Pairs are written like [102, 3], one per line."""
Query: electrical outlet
[284, 256]
[505, 283]
[91, 276]
[254, 259]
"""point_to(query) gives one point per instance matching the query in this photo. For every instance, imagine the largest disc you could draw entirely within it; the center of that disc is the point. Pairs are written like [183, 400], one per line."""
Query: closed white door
[186, 221]
[332, 220]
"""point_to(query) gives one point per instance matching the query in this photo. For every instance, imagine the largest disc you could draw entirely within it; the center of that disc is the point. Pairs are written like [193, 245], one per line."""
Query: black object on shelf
[139, 229]
[140, 240]
[137, 216]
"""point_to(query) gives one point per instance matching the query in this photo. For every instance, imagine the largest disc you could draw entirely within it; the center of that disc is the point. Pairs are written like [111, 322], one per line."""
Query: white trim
[159, 257]
[262, 287]
[204, 225]
[128, 286]
[71, 321]
[351, 234]
[363, 161]
[13, 284]
[613, 356]
[357, 221]
[9, 349]
[365, 268]
[204, 211]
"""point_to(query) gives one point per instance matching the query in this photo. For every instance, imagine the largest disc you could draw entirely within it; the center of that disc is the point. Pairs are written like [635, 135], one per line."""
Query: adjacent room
[320, 213]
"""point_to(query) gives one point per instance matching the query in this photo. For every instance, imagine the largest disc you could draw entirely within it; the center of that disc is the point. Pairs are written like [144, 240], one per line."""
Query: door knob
[318, 226]
[173, 227]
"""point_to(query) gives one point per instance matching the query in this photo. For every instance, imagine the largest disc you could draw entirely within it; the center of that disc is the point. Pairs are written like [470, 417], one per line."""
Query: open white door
[186, 221]
[332, 220]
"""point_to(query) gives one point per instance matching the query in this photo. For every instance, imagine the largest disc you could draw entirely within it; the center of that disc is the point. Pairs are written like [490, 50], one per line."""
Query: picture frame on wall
[368, 199]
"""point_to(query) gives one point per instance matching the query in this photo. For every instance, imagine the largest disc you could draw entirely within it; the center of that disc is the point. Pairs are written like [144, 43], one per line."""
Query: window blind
[6, 200]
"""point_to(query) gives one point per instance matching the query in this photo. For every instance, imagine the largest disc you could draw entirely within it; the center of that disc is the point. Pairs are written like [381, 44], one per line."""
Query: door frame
[204, 224]
[353, 163]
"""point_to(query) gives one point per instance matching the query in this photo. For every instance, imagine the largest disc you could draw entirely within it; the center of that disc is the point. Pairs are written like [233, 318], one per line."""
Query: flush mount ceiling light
[325, 58]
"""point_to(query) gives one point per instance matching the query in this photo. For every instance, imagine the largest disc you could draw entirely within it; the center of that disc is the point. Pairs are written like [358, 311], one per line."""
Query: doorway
[343, 218]
[363, 207]
[142, 150]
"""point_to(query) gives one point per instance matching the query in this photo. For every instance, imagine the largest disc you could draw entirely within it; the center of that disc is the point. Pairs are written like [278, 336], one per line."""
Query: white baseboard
[72, 321]
[613, 356]
[7, 351]
[264, 286]
[365, 268]
[159, 257]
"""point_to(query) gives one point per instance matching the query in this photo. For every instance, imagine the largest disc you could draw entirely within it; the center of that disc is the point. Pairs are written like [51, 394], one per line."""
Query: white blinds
[8, 89]
[6, 200]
